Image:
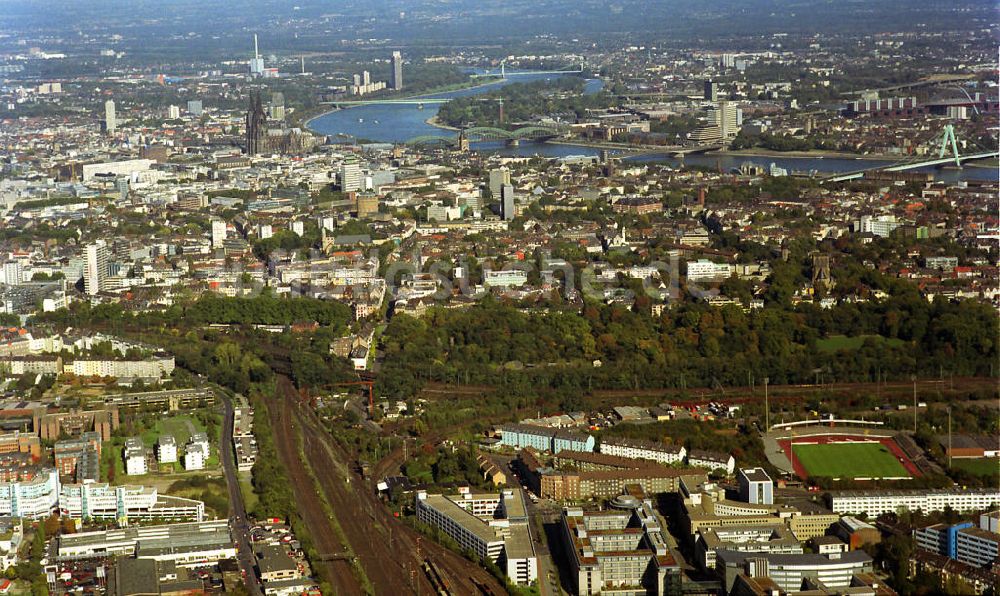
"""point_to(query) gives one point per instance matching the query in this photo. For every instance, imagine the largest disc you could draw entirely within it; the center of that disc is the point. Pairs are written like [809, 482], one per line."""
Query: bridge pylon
[949, 137]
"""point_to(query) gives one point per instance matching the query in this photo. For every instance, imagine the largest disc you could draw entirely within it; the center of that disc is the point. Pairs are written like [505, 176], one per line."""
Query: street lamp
[767, 410]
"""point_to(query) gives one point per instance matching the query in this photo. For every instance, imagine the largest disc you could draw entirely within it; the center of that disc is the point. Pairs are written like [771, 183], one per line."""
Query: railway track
[337, 572]
[390, 552]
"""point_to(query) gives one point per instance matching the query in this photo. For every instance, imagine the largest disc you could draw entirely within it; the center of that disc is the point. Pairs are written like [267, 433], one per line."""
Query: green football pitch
[850, 460]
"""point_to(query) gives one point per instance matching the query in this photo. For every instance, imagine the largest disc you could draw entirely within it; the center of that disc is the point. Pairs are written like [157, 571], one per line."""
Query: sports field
[849, 460]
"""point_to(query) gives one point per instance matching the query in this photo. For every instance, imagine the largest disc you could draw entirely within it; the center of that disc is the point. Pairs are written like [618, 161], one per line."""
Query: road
[237, 508]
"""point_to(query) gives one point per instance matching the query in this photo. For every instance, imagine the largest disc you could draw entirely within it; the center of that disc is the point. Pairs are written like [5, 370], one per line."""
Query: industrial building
[492, 525]
[195, 544]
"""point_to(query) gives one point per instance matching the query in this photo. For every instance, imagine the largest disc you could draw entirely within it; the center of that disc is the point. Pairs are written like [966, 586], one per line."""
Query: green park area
[849, 460]
[151, 428]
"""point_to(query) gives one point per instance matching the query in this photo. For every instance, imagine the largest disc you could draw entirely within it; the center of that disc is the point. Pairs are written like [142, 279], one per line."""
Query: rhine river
[399, 123]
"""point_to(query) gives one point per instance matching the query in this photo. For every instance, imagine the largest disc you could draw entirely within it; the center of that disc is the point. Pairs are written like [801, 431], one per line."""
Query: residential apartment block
[541, 438]
[625, 547]
[875, 503]
[639, 449]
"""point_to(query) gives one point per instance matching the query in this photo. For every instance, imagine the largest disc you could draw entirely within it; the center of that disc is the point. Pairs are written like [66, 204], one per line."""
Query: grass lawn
[246, 487]
[181, 428]
[843, 342]
[212, 491]
[979, 467]
[850, 460]
[178, 426]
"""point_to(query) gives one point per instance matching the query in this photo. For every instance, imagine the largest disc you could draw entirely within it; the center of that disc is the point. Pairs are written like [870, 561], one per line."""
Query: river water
[399, 123]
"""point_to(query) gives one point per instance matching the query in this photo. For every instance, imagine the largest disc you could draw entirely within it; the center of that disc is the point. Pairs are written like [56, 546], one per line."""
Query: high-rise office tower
[173, 112]
[95, 268]
[397, 71]
[366, 78]
[711, 91]
[498, 178]
[218, 233]
[195, 108]
[110, 121]
[727, 117]
[507, 208]
[351, 177]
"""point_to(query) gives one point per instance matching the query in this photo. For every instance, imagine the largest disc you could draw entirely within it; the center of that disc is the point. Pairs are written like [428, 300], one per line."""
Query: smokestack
[256, 54]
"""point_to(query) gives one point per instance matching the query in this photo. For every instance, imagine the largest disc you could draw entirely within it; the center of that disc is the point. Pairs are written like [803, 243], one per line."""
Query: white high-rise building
[95, 268]
[218, 233]
[266, 231]
[13, 274]
[351, 177]
[110, 121]
[397, 71]
[173, 112]
[728, 118]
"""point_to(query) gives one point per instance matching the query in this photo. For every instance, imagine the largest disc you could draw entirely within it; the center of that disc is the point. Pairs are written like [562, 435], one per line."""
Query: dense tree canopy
[693, 344]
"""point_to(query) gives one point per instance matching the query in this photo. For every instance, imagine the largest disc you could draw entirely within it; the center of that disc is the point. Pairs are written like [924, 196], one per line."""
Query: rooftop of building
[642, 444]
[640, 524]
[755, 474]
[732, 557]
[917, 492]
[274, 559]
[179, 534]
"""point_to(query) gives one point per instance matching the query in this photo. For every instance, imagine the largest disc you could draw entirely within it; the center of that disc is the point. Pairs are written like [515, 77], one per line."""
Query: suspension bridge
[948, 142]
[503, 73]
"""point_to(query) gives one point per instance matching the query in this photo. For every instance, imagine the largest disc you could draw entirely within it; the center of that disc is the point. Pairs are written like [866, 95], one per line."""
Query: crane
[371, 393]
